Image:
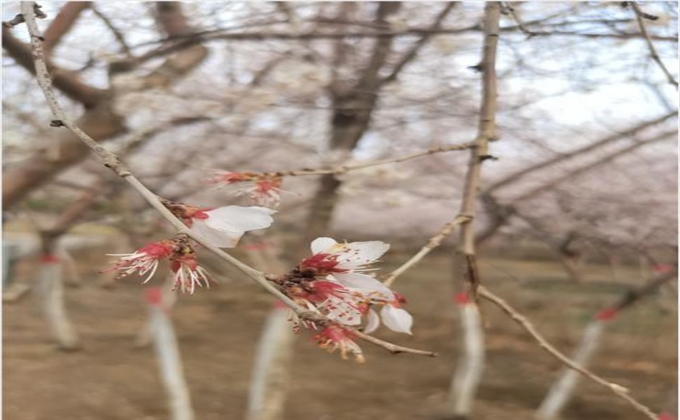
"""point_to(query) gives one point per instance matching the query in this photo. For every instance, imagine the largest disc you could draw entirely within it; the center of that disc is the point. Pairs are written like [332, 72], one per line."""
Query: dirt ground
[218, 331]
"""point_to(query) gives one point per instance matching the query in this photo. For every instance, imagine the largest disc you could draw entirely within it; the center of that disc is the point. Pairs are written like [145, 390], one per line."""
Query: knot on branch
[16, 20]
[57, 123]
[117, 166]
[482, 158]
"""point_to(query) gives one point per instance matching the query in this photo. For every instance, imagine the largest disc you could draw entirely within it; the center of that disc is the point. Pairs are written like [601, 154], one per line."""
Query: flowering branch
[640, 15]
[113, 162]
[545, 345]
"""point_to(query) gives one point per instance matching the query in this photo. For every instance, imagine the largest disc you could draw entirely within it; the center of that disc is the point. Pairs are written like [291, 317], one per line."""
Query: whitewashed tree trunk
[562, 390]
[71, 268]
[51, 287]
[560, 393]
[471, 361]
[169, 298]
[271, 372]
[168, 356]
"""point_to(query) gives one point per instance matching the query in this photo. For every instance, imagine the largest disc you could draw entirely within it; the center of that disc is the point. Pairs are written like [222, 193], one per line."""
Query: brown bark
[351, 118]
[63, 22]
[99, 122]
[67, 82]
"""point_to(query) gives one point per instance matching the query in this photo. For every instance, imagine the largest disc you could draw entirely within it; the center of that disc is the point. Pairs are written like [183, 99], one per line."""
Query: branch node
[16, 20]
[482, 158]
[57, 123]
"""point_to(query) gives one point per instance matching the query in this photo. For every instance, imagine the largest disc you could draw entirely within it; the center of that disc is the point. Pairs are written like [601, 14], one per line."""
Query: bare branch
[341, 169]
[486, 133]
[392, 348]
[640, 15]
[514, 177]
[432, 243]
[599, 162]
[66, 82]
[62, 23]
[411, 54]
[116, 33]
[618, 390]
[507, 6]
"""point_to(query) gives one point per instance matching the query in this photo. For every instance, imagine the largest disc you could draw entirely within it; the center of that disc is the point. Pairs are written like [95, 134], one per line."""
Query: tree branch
[432, 243]
[411, 54]
[523, 322]
[62, 23]
[486, 133]
[65, 81]
[639, 14]
[514, 177]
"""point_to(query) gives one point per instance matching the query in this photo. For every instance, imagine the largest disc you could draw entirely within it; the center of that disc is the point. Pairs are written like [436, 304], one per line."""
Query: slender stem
[114, 163]
[432, 243]
[545, 345]
[341, 169]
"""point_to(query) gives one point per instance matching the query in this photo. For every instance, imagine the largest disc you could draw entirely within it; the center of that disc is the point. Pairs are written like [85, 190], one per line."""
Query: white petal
[221, 239]
[396, 319]
[360, 253]
[322, 244]
[372, 322]
[239, 219]
[342, 311]
[362, 281]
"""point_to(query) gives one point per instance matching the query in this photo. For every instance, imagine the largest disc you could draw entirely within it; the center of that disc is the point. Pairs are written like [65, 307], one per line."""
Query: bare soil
[218, 331]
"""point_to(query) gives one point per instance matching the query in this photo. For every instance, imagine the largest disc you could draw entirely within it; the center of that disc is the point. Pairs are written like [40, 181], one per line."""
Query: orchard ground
[218, 330]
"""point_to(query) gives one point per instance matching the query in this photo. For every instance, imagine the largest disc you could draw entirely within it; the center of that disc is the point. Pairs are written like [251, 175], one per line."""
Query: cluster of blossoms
[222, 227]
[332, 283]
[263, 188]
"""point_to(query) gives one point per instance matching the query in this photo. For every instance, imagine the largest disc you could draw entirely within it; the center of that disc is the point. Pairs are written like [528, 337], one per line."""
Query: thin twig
[545, 345]
[341, 169]
[639, 14]
[432, 243]
[392, 348]
[114, 163]
[125, 48]
[507, 6]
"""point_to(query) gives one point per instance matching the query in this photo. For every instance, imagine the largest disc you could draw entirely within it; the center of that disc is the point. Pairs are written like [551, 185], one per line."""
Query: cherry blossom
[144, 261]
[222, 226]
[332, 282]
[345, 262]
[263, 188]
[392, 315]
[188, 274]
[334, 337]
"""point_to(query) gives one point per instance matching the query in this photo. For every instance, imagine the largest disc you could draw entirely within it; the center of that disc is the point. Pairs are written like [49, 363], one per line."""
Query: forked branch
[113, 162]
